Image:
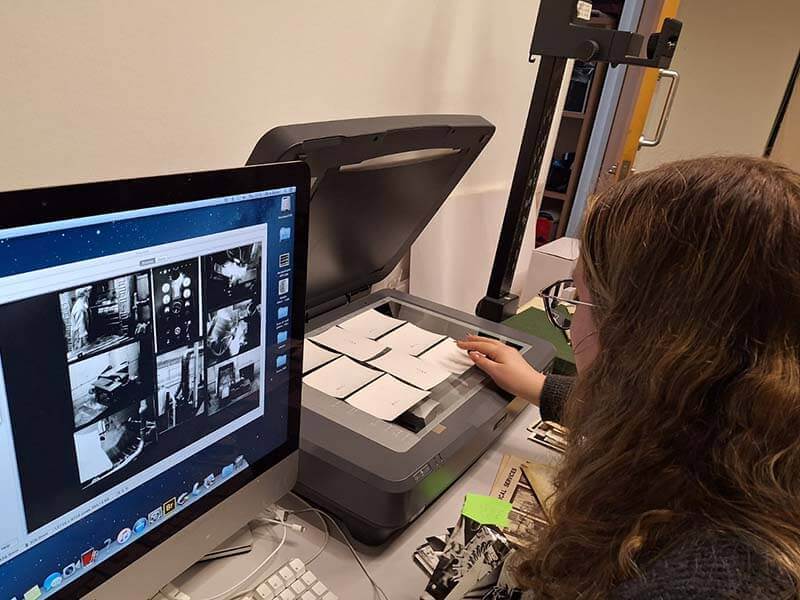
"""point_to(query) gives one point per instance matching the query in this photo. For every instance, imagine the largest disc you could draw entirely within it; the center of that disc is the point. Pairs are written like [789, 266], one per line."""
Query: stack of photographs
[528, 517]
[550, 435]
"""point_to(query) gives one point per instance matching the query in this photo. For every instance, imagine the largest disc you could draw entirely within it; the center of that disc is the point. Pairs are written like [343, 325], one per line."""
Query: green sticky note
[486, 510]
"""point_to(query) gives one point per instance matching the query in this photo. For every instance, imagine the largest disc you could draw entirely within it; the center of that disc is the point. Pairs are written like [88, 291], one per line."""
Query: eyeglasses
[560, 303]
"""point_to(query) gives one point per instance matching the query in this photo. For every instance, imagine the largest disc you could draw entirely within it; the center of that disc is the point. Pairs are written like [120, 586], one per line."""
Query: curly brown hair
[689, 417]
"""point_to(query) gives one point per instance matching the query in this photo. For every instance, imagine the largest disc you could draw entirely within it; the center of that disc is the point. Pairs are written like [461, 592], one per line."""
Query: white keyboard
[292, 582]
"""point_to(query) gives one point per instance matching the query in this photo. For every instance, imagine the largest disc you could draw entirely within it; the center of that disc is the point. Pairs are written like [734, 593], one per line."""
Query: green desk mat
[535, 322]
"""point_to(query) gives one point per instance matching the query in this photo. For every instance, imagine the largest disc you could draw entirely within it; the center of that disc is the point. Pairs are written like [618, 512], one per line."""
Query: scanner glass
[450, 394]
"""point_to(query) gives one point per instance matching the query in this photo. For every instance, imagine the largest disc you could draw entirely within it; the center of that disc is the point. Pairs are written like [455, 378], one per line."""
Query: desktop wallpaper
[49, 249]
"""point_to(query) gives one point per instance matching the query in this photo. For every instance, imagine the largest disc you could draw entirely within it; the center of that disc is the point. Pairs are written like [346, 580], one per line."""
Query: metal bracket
[557, 34]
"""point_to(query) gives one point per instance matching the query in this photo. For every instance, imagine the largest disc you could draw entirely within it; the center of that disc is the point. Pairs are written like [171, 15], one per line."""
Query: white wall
[97, 90]
[463, 235]
[734, 57]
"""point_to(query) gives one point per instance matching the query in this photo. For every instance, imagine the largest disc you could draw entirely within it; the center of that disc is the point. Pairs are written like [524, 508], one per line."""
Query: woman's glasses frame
[550, 293]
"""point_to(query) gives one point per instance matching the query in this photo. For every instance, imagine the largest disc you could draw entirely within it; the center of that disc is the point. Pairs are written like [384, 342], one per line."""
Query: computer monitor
[124, 456]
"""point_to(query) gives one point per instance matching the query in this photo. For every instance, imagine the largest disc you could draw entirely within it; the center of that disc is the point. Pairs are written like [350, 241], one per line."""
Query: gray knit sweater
[705, 565]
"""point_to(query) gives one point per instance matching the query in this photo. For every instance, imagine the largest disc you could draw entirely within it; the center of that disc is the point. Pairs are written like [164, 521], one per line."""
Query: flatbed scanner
[376, 184]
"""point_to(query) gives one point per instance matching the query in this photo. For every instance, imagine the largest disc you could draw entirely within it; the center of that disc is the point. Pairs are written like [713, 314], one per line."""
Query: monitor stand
[240, 542]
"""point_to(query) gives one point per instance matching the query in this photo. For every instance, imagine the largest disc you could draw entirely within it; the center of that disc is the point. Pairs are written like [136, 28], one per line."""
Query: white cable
[269, 521]
[283, 514]
[324, 516]
[322, 520]
[374, 583]
[256, 570]
[325, 540]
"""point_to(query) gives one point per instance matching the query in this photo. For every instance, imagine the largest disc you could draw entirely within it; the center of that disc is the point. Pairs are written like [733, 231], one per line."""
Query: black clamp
[559, 34]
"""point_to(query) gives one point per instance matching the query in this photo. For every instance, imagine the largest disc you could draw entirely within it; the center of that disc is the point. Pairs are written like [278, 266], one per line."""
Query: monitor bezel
[49, 204]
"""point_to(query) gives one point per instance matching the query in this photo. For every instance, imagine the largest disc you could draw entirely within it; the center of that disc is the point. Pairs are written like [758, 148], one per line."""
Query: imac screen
[143, 361]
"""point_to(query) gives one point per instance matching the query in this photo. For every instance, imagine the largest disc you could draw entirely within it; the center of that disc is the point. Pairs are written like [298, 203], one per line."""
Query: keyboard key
[276, 583]
[291, 581]
[297, 566]
[298, 587]
[265, 592]
[319, 588]
[287, 575]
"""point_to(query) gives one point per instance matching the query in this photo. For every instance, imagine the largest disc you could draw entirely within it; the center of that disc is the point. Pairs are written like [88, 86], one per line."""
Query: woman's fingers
[487, 348]
[479, 338]
[484, 363]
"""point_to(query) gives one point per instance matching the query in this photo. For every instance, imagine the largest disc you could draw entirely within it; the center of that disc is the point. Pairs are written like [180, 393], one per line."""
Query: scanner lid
[375, 185]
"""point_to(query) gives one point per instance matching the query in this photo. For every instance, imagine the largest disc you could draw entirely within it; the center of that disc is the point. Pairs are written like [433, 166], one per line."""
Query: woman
[682, 477]
[79, 320]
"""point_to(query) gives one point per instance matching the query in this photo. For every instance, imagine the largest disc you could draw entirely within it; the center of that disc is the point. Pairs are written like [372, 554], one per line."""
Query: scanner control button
[422, 473]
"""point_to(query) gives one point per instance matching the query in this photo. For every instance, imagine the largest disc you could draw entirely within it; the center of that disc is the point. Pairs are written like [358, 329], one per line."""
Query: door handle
[674, 77]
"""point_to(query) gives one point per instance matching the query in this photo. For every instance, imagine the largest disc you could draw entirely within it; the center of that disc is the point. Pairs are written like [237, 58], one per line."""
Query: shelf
[555, 195]
[571, 114]
[551, 205]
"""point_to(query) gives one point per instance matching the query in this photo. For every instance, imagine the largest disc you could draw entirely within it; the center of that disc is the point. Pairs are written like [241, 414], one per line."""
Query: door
[625, 139]
[626, 99]
[735, 60]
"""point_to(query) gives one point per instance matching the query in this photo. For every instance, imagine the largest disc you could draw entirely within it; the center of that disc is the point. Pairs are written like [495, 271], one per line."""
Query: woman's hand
[505, 366]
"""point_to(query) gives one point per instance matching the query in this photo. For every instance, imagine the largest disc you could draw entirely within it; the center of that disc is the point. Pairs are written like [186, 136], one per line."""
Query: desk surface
[532, 319]
[392, 564]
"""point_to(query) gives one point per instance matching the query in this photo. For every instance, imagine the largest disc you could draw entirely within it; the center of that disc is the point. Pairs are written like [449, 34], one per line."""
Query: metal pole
[499, 303]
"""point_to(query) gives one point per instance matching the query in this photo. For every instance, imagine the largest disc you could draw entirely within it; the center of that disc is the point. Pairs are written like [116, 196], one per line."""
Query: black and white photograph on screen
[177, 303]
[104, 314]
[232, 275]
[113, 442]
[234, 381]
[107, 383]
[232, 330]
[181, 393]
